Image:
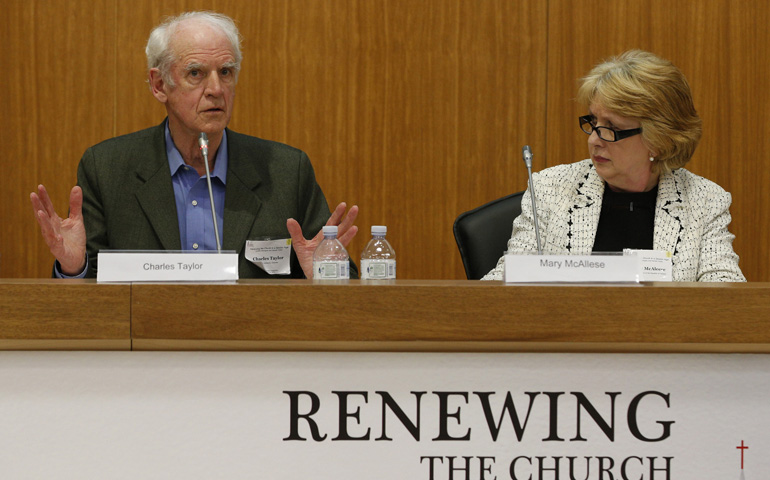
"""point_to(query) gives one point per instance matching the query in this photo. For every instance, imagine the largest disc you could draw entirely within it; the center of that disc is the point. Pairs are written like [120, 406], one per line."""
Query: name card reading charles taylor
[167, 267]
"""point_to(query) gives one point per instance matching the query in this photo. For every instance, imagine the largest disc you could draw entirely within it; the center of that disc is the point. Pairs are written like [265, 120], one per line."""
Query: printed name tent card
[572, 268]
[656, 264]
[154, 266]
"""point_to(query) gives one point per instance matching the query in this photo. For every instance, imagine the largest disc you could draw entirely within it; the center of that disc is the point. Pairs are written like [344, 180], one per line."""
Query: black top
[627, 221]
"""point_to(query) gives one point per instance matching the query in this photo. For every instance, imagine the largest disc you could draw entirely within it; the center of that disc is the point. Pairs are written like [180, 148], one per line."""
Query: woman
[633, 192]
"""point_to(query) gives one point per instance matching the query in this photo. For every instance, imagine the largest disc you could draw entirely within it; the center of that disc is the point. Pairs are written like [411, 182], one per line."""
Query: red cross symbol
[742, 448]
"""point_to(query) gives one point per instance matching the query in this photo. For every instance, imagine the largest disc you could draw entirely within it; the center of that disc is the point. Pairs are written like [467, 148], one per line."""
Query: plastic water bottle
[330, 259]
[378, 260]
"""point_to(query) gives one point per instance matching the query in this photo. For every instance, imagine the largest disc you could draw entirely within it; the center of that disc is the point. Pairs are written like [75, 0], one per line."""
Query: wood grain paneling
[403, 315]
[716, 45]
[404, 109]
[58, 314]
[502, 99]
[59, 95]
[396, 316]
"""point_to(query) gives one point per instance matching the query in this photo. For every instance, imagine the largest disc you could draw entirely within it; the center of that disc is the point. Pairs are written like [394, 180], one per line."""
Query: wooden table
[47, 314]
[405, 315]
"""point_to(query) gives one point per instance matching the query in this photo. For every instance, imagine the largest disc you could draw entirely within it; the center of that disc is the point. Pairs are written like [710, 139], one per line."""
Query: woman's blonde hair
[641, 85]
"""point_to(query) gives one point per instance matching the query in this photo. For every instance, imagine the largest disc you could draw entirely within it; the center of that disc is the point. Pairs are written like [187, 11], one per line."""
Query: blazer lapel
[156, 196]
[585, 212]
[668, 214]
[241, 201]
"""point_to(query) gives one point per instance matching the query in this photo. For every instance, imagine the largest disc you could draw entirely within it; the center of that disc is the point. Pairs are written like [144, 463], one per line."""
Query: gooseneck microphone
[526, 153]
[203, 142]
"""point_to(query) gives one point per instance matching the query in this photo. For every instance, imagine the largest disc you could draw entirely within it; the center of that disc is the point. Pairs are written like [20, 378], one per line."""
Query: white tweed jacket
[691, 219]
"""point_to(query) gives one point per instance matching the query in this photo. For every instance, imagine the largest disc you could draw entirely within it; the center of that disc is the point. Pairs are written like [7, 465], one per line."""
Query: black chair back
[482, 234]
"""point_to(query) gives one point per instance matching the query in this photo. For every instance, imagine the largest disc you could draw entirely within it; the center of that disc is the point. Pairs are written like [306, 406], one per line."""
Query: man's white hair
[161, 56]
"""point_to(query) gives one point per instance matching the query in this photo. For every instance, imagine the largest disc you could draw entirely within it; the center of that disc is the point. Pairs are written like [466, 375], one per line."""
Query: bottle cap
[330, 229]
[379, 229]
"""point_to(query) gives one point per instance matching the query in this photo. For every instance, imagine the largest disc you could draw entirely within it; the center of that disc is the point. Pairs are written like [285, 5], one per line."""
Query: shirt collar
[175, 160]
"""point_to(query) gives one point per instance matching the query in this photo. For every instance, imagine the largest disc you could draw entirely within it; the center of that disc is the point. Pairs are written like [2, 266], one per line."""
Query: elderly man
[147, 190]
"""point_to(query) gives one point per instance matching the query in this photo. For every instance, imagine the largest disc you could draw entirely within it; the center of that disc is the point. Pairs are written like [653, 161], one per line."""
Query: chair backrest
[482, 234]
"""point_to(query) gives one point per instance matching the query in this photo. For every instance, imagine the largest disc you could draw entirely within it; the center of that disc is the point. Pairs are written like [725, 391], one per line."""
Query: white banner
[383, 416]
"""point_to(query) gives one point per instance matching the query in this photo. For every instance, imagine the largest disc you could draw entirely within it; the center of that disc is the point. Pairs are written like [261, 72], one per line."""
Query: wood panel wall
[415, 111]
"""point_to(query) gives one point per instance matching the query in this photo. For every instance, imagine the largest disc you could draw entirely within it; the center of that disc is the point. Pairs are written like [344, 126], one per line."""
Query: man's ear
[157, 85]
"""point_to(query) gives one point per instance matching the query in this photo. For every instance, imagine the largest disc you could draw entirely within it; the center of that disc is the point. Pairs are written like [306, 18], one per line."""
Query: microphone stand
[203, 141]
[526, 153]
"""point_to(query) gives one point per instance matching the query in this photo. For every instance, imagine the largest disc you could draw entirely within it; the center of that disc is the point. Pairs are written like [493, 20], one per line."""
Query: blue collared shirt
[193, 207]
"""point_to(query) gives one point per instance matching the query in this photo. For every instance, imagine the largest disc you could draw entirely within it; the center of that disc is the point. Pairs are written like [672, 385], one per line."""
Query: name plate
[572, 268]
[167, 267]
[656, 264]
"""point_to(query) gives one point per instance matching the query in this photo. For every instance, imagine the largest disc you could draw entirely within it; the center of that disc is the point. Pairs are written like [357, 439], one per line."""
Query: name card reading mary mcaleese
[122, 266]
[572, 268]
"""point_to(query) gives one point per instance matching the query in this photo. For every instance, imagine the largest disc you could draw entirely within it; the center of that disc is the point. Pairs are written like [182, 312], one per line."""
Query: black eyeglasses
[588, 125]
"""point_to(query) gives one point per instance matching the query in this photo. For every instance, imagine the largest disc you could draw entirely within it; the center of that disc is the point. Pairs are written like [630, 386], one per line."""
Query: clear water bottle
[378, 260]
[330, 259]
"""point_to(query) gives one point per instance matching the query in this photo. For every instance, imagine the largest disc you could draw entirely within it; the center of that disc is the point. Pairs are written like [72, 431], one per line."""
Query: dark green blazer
[128, 197]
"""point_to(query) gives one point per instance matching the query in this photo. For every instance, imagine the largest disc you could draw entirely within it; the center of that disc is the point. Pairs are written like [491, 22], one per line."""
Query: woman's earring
[652, 159]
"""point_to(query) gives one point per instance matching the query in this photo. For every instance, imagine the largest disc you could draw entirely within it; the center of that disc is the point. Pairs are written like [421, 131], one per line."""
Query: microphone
[526, 154]
[203, 143]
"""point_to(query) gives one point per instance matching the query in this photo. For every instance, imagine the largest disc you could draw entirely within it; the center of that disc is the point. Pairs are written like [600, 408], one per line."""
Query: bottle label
[331, 270]
[384, 269]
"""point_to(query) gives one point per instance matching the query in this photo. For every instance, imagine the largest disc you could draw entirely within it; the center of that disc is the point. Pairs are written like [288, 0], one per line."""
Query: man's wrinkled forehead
[195, 33]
